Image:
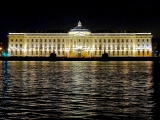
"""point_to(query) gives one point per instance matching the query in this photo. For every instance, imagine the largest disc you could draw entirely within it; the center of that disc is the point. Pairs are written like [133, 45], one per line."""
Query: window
[63, 40]
[147, 45]
[27, 40]
[109, 40]
[32, 40]
[131, 40]
[138, 40]
[126, 52]
[127, 40]
[20, 52]
[49, 40]
[113, 40]
[95, 41]
[147, 40]
[45, 52]
[122, 52]
[131, 46]
[27, 52]
[143, 40]
[95, 52]
[21, 40]
[49, 46]
[40, 46]
[95, 46]
[45, 40]
[100, 46]
[131, 52]
[100, 40]
[16, 45]
[36, 40]
[117, 52]
[63, 53]
[117, 40]
[40, 40]
[113, 46]
[54, 40]
[12, 40]
[16, 40]
[138, 52]
[54, 46]
[126, 45]
[58, 52]
[104, 41]
[20, 45]
[41, 52]
[32, 52]
[58, 40]
[58, 46]
[122, 41]
[99, 52]
[36, 52]
[16, 52]
[27, 46]
[104, 46]
[147, 52]
[11, 52]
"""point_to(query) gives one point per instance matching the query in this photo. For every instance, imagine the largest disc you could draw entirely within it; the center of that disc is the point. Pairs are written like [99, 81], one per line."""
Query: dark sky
[27, 15]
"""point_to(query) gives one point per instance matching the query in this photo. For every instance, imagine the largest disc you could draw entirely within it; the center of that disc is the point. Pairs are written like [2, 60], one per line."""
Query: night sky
[27, 15]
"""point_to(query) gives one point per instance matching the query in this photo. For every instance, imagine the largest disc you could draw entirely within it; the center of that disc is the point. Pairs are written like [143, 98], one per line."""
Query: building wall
[40, 45]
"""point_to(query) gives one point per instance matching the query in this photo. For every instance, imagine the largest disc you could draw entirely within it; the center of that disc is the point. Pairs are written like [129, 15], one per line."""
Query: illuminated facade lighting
[80, 42]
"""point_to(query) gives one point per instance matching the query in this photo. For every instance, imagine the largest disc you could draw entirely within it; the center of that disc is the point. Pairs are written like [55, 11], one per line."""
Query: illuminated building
[80, 42]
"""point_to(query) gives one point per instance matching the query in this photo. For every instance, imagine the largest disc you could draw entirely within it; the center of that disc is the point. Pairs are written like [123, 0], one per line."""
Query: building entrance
[79, 55]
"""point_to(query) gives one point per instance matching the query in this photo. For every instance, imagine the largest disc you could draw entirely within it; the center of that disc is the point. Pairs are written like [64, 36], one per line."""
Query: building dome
[79, 28]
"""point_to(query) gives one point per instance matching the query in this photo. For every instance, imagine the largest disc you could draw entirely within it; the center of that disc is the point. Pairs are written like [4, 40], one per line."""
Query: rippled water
[73, 89]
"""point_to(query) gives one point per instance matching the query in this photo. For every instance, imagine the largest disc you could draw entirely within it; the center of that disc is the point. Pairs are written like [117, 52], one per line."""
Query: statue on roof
[79, 24]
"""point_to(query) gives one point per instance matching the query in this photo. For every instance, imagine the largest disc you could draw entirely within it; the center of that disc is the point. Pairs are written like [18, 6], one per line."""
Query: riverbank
[80, 59]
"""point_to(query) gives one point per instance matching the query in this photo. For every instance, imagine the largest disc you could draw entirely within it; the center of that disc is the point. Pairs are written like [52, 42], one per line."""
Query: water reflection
[118, 90]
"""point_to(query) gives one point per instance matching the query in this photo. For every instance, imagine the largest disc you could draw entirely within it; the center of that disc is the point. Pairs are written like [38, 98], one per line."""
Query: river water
[80, 89]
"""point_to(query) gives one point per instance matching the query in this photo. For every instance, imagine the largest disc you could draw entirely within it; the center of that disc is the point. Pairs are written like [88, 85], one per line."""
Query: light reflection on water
[120, 90]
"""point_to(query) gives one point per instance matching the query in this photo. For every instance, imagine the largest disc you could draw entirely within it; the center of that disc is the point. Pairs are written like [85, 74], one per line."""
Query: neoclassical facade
[80, 42]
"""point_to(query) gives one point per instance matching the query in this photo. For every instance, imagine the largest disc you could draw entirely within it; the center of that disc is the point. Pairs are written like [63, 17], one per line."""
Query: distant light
[5, 54]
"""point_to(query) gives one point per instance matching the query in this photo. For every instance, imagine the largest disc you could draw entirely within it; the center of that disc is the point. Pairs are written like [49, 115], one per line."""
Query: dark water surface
[74, 89]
